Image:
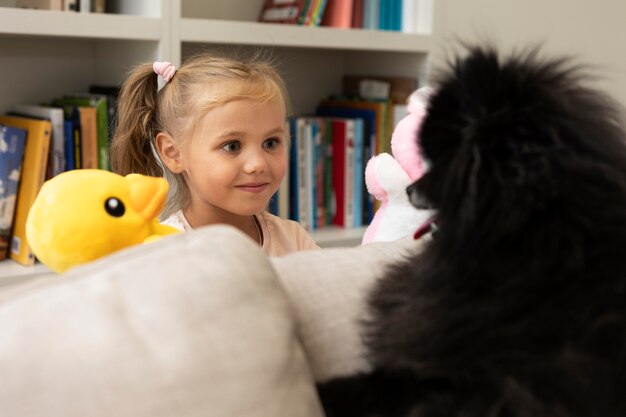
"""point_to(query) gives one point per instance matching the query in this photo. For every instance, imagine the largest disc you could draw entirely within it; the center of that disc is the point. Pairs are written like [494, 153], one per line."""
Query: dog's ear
[494, 129]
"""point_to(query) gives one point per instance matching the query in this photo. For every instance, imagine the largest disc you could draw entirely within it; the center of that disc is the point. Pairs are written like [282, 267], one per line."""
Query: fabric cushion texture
[328, 289]
[193, 325]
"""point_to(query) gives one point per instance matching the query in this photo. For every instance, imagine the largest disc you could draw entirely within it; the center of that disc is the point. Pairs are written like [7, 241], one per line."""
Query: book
[357, 14]
[12, 143]
[409, 16]
[319, 206]
[33, 175]
[371, 14]
[314, 13]
[399, 90]
[306, 6]
[88, 137]
[338, 14]
[102, 120]
[318, 15]
[365, 143]
[111, 93]
[68, 130]
[343, 171]
[308, 172]
[282, 11]
[327, 157]
[71, 125]
[56, 164]
[382, 141]
[40, 4]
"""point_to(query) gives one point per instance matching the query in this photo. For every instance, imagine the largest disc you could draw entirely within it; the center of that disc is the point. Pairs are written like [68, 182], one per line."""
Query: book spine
[303, 177]
[307, 211]
[103, 139]
[359, 171]
[88, 137]
[320, 137]
[11, 155]
[338, 14]
[68, 132]
[349, 174]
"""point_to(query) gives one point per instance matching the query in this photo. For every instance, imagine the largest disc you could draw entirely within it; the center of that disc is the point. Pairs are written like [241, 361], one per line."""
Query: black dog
[517, 306]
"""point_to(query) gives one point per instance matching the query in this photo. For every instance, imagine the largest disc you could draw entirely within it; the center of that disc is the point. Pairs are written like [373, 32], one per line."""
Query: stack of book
[393, 15]
[85, 6]
[330, 149]
[38, 142]
[294, 12]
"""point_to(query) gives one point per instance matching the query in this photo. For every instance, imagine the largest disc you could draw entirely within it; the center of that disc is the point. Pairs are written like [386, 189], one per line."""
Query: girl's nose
[255, 162]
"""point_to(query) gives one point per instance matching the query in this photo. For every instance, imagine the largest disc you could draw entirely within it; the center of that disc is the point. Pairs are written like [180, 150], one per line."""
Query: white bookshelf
[44, 54]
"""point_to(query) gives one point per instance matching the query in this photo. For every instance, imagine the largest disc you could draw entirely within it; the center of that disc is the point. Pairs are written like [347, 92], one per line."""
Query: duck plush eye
[114, 207]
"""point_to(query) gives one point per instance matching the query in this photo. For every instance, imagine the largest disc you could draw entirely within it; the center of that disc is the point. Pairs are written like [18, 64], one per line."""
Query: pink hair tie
[164, 69]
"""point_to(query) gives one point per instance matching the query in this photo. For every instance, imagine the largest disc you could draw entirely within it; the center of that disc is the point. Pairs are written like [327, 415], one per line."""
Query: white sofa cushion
[194, 325]
[328, 289]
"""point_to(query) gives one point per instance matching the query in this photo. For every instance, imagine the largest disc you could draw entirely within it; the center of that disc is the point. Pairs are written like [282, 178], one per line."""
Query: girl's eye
[271, 143]
[231, 147]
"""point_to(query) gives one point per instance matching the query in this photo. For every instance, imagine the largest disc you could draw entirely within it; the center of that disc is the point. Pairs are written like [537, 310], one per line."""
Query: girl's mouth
[253, 187]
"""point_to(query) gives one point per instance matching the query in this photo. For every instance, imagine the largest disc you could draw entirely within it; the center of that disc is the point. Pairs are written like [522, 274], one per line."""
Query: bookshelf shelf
[46, 23]
[267, 34]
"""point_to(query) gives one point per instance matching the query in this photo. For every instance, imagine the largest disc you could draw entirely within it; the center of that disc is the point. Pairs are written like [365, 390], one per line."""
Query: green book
[102, 121]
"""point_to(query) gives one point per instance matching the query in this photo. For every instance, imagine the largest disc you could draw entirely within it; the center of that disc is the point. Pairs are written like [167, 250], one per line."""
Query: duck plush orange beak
[85, 214]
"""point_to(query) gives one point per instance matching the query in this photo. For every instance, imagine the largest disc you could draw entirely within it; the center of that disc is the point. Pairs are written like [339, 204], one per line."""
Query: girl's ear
[169, 152]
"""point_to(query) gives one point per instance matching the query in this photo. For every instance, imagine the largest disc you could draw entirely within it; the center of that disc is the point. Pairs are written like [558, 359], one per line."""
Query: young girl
[217, 131]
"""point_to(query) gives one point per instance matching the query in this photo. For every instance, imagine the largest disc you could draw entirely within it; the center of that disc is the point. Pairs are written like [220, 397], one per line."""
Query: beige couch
[199, 324]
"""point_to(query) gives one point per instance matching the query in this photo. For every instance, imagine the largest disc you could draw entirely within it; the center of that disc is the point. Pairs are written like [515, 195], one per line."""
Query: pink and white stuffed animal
[388, 176]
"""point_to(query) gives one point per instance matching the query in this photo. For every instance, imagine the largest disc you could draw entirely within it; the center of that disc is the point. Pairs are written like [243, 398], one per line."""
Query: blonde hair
[201, 83]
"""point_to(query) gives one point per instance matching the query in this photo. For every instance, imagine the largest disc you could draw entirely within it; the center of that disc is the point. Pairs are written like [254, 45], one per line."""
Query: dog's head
[507, 140]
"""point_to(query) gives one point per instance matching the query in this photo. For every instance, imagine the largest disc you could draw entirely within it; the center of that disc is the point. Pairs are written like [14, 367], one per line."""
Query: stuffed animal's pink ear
[405, 138]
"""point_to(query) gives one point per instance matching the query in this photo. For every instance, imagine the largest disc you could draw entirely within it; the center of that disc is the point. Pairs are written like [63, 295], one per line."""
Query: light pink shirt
[280, 236]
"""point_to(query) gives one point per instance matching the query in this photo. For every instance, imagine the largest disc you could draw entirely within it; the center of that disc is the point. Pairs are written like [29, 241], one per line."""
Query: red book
[357, 14]
[338, 14]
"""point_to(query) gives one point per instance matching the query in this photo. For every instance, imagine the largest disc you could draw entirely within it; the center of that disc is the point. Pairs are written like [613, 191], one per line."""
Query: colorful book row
[329, 150]
[38, 142]
[295, 12]
[393, 15]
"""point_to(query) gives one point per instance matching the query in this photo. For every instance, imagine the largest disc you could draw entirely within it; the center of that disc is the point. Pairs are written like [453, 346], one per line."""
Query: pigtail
[131, 146]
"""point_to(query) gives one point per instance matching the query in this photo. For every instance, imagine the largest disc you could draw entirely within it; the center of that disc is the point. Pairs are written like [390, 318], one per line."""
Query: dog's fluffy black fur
[517, 306]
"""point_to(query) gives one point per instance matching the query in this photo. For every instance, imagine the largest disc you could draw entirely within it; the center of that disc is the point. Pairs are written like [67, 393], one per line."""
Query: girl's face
[236, 158]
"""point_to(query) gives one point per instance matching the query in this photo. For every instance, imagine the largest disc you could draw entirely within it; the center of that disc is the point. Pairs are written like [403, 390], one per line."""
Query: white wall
[593, 30]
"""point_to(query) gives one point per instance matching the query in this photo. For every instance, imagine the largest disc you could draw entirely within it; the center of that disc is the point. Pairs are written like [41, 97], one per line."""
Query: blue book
[12, 143]
[68, 131]
[383, 23]
[396, 15]
[367, 145]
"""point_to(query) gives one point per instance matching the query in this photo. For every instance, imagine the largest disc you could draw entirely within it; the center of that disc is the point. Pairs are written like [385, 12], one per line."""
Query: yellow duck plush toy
[82, 215]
